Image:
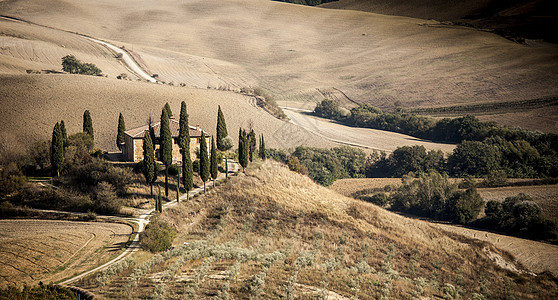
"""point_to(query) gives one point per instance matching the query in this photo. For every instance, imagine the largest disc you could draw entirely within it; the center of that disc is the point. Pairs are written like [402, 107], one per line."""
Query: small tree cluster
[72, 65]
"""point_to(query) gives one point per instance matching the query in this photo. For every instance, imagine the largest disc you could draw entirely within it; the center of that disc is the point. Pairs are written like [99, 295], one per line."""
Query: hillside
[34, 103]
[518, 19]
[303, 54]
[273, 233]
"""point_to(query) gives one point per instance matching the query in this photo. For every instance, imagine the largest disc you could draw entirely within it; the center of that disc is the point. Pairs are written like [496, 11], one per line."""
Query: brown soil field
[32, 104]
[296, 52]
[546, 196]
[49, 251]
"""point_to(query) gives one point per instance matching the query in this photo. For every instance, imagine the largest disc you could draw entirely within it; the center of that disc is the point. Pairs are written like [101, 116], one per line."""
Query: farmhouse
[133, 145]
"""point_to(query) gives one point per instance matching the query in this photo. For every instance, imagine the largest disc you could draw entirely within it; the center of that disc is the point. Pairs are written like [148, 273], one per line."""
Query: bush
[174, 169]
[72, 65]
[41, 291]
[196, 166]
[328, 109]
[105, 199]
[295, 166]
[157, 237]
[380, 199]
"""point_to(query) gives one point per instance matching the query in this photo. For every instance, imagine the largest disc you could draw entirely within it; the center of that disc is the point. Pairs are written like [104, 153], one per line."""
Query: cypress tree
[178, 188]
[121, 128]
[184, 143]
[204, 163]
[148, 161]
[243, 149]
[57, 150]
[251, 144]
[88, 124]
[165, 140]
[221, 130]
[64, 134]
[213, 162]
[168, 109]
[262, 148]
[159, 202]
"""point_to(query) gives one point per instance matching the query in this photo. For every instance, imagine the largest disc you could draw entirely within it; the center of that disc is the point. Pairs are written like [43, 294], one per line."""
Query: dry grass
[300, 53]
[312, 238]
[48, 250]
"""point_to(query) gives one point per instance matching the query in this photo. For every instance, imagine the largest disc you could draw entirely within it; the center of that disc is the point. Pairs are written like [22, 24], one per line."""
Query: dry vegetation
[49, 250]
[303, 53]
[273, 233]
[533, 255]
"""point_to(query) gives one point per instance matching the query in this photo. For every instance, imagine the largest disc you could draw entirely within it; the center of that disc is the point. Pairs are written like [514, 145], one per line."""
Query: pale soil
[49, 250]
[32, 104]
[546, 196]
[365, 138]
[295, 51]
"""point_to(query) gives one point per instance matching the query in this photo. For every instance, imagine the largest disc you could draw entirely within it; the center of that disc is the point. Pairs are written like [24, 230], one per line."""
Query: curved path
[143, 220]
[372, 139]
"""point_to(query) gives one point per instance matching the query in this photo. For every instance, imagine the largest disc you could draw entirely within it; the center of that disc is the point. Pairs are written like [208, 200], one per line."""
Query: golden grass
[48, 250]
[272, 210]
[349, 186]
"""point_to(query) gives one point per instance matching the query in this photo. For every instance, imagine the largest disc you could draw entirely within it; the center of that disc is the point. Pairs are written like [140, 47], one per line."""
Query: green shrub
[157, 237]
[174, 169]
[380, 199]
[196, 166]
[46, 292]
[72, 65]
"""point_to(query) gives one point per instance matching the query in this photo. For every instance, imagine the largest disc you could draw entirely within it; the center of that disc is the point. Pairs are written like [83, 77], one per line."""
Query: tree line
[483, 147]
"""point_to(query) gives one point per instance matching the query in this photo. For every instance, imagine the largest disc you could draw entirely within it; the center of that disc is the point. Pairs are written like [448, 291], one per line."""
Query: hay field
[272, 233]
[49, 250]
[32, 104]
[294, 51]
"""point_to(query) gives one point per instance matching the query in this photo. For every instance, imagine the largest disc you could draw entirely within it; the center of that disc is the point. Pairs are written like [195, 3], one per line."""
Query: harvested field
[349, 186]
[34, 103]
[49, 250]
[546, 196]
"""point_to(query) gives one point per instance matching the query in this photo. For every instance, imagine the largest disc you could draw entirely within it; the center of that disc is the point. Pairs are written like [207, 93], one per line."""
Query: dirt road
[366, 138]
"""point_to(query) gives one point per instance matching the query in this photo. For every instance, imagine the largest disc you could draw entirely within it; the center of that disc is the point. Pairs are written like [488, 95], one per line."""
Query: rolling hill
[296, 52]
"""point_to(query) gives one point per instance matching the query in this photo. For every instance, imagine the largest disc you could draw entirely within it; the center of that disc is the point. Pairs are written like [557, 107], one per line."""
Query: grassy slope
[34, 103]
[292, 50]
[273, 210]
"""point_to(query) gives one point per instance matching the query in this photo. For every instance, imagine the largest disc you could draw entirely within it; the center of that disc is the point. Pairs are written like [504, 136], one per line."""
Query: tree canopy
[57, 150]
[88, 124]
[120, 138]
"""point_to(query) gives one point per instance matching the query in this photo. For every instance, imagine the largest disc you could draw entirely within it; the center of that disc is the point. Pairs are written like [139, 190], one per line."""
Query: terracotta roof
[138, 132]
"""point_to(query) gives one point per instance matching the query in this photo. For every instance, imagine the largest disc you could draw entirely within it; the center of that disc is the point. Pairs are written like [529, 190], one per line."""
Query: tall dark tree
[243, 149]
[120, 138]
[88, 124]
[168, 109]
[221, 130]
[165, 141]
[213, 161]
[64, 133]
[57, 150]
[261, 152]
[148, 161]
[251, 144]
[159, 202]
[204, 161]
[184, 143]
